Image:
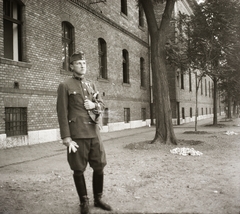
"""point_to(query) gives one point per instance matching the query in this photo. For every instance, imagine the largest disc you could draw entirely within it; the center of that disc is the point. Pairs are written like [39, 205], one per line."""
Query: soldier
[79, 106]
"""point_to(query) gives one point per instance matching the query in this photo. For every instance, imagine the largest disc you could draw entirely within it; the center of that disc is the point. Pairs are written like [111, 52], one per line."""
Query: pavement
[21, 154]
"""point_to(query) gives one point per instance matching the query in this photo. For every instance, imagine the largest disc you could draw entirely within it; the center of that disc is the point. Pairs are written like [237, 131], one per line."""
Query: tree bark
[229, 116]
[164, 127]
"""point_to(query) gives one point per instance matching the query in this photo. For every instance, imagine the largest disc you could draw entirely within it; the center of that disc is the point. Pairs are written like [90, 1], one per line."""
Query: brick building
[36, 40]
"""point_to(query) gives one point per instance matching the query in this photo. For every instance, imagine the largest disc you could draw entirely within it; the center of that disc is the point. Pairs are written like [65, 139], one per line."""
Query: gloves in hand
[72, 145]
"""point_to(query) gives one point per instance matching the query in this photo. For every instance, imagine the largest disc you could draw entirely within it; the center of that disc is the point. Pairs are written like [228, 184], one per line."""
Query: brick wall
[41, 72]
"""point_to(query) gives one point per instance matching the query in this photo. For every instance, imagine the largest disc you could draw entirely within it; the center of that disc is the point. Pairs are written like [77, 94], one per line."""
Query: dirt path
[140, 178]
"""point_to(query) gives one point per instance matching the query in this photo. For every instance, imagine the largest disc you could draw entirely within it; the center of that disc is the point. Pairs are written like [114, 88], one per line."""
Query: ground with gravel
[139, 178]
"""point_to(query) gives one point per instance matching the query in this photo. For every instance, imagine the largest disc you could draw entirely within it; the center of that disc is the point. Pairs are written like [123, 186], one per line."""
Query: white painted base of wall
[44, 136]
[33, 137]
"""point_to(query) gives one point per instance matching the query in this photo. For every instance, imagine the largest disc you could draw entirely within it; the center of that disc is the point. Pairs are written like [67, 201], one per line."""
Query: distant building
[183, 84]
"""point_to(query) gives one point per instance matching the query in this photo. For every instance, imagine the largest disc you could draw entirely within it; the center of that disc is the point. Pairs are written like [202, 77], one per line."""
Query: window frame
[13, 37]
[102, 54]
[127, 115]
[142, 72]
[143, 114]
[124, 8]
[67, 41]
[125, 66]
[140, 16]
[182, 80]
[190, 80]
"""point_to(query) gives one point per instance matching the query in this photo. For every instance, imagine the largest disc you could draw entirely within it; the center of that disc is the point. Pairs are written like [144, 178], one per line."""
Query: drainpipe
[150, 79]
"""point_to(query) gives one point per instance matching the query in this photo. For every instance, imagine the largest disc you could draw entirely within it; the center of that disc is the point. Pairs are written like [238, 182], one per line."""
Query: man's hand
[72, 145]
[88, 104]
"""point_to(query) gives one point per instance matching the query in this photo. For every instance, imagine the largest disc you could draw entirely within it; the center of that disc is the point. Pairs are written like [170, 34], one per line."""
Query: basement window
[15, 121]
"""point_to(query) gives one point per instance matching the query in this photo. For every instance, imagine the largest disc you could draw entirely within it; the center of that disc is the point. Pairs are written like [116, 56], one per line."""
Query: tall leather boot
[97, 191]
[80, 184]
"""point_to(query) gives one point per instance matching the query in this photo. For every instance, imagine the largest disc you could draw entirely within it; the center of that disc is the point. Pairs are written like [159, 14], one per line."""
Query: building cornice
[83, 5]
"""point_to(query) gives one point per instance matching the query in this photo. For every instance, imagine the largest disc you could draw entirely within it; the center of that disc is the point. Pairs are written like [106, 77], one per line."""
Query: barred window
[15, 121]
[126, 115]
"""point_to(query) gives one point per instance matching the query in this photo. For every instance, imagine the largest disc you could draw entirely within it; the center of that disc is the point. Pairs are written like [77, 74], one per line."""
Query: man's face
[79, 67]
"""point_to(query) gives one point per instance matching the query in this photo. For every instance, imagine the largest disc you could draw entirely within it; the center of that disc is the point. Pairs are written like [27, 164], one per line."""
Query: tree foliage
[212, 41]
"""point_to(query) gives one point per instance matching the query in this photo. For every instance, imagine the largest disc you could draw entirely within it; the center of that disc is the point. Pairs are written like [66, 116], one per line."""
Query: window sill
[126, 84]
[102, 80]
[141, 28]
[15, 63]
[124, 15]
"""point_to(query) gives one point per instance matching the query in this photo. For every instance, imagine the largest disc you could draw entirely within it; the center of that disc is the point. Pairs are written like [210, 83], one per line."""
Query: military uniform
[80, 124]
[79, 108]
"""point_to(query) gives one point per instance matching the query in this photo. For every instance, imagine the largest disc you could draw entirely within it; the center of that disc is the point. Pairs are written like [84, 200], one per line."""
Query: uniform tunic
[80, 124]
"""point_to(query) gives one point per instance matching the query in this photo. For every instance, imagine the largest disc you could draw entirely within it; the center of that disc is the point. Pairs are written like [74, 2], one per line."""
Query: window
[209, 88]
[124, 7]
[212, 90]
[182, 80]
[201, 87]
[183, 113]
[12, 29]
[143, 114]
[105, 117]
[205, 87]
[142, 72]
[206, 111]
[141, 16]
[202, 111]
[67, 44]
[15, 121]
[126, 115]
[190, 80]
[191, 112]
[125, 66]
[102, 53]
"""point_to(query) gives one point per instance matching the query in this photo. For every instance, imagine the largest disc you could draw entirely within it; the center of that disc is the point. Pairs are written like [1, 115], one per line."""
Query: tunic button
[84, 89]
[85, 96]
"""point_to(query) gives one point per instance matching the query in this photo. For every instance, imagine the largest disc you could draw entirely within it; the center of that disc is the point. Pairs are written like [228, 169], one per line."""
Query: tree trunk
[196, 111]
[229, 116]
[215, 101]
[164, 128]
[234, 108]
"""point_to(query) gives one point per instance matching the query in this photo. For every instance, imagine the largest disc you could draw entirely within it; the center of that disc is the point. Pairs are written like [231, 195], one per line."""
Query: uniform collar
[78, 78]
